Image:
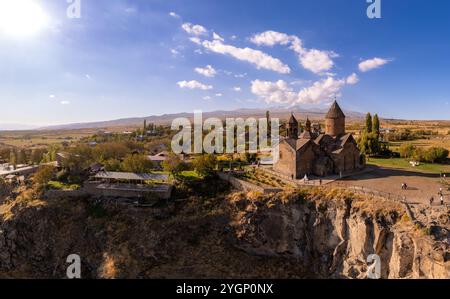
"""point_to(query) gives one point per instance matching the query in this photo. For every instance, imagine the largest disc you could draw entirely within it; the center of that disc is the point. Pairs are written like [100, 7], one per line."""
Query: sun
[21, 18]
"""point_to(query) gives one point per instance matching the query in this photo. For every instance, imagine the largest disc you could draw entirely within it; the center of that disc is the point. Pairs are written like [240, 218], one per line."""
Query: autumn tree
[174, 164]
[13, 158]
[43, 176]
[407, 150]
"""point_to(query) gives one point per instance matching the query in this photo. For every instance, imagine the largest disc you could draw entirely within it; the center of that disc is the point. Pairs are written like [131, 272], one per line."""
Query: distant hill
[282, 113]
[16, 127]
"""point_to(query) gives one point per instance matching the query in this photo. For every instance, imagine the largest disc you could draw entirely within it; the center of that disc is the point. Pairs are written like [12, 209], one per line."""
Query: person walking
[431, 201]
[442, 200]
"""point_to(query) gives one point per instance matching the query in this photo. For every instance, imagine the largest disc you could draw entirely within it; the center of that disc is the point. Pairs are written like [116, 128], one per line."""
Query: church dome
[335, 112]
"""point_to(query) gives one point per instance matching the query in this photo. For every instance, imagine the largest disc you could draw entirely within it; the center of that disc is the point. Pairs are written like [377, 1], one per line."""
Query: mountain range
[278, 112]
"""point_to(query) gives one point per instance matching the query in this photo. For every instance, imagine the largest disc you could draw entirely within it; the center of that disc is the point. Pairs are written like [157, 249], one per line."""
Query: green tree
[205, 165]
[369, 144]
[376, 125]
[436, 154]
[369, 123]
[137, 164]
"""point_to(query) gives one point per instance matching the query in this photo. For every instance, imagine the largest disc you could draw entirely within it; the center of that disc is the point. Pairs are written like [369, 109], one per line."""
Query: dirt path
[421, 186]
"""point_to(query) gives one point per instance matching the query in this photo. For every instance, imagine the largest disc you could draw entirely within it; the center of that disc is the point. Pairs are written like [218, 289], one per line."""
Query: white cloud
[207, 71]
[273, 92]
[256, 57]
[234, 37]
[194, 85]
[64, 102]
[174, 52]
[271, 38]
[196, 40]
[219, 94]
[237, 89]
[316, 61]
[88, 77]
[207, 98]
[371, 64]
[174, 15]
[281, 92]
[196, 30]
[352, 79]
[321, 91]
[217, 37]
[52, 96]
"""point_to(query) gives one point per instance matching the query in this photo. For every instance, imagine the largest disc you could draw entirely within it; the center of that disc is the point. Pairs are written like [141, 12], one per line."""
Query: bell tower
[292, 128]
[335, 121]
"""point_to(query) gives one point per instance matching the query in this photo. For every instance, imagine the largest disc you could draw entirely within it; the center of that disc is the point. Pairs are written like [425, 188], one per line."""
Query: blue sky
[127, 58]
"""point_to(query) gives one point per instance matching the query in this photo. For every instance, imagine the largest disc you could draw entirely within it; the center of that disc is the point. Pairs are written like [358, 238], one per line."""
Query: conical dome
[308, 124]
[293, 121]
[335, 111]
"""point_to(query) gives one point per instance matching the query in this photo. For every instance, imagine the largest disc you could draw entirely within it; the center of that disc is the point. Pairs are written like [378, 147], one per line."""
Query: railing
[372, 192]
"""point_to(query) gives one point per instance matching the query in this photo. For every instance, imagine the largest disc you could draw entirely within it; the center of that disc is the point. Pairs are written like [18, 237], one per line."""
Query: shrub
[44, 175]
[205, 165]
[407, 150]
[436, 154]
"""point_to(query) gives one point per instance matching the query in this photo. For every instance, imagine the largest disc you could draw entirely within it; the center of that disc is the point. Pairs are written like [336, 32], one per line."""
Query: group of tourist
[441, 197]
[440, 194]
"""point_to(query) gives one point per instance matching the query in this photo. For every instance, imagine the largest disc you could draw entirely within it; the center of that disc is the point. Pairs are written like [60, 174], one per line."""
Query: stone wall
[92, 189]
[245, 186]
[285, 164]
[335, 126]
[62, 194]
[306, 158]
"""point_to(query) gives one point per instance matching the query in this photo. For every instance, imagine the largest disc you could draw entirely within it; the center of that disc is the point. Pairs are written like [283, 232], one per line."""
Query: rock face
[290, 235]
[334, 238]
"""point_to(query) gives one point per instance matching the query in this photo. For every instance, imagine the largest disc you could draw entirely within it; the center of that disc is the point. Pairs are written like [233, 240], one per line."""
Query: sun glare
[21, 18]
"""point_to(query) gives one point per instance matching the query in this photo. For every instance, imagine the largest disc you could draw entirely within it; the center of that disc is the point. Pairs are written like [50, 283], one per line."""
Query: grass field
[404, 164]
[31, 139]
[423, 143]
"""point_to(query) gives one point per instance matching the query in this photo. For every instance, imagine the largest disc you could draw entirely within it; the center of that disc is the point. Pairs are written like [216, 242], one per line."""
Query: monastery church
[320, 154]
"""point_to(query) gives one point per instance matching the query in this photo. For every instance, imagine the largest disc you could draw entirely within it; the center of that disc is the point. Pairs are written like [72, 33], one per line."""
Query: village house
[312, 152]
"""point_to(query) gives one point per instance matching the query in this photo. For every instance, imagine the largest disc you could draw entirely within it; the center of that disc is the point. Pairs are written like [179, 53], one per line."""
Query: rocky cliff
[332, 234]
[290, 235]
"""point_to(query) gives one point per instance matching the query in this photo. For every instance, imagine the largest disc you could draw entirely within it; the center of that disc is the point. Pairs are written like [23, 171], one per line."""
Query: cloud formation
[352, 79]
[207, 71]
[196, 30]
[371, 64]
[281, 92]
[193, 84]
[316, 61]
[260, 59]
